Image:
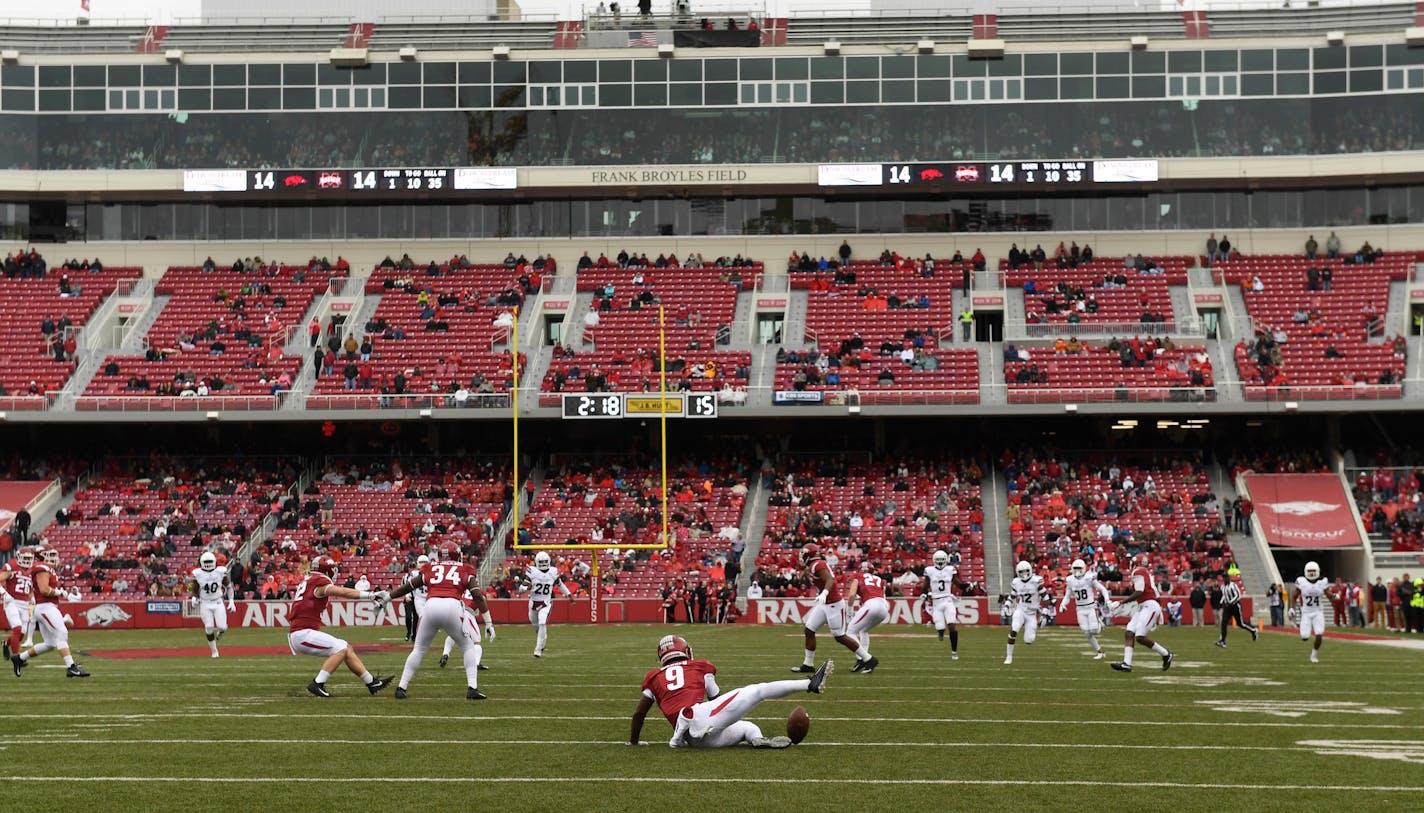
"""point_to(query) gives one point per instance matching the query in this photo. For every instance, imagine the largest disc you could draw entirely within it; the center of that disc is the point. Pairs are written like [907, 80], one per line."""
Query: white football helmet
[941, 558]
[1023, 569]
[208, 561]
[541, 560]
[25, 558]
[1312, 570]
[50, 556]
[1078, 568]
[421, 560]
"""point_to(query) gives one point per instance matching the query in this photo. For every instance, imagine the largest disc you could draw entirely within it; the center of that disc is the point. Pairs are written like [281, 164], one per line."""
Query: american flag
[642, 39]
[84, 4]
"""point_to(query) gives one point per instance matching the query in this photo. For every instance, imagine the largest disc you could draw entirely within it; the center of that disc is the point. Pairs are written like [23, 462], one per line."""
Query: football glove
[489, 631]
[73, 595]
[821, 599]
[231, 607]
[381, 598]
[1293, 614]
[1113, 605]
[192, 601]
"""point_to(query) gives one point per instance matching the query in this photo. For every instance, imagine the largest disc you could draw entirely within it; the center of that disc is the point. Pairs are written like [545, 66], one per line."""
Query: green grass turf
[1056, 730]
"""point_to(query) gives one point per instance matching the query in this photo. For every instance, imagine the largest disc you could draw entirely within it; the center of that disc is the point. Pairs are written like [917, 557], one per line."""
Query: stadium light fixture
[831, 47]
[407, 54]
[427, 413]
[10, 56]
[1291, 406]
[666, 50]
[1139, 43]
[214, 415]
[1335, 37]
[853, 409]
[173, 55]
[925, 46]
[500, 52]
[350, 57]
[986, 49]
[1070, 408]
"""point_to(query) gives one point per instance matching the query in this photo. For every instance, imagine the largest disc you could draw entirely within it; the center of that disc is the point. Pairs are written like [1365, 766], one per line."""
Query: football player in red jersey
[1146, 618]
[874, 609]
[702, 716]
[48, 617]
[306, 637]
[830, 608]
[449, 580]
[17, 591]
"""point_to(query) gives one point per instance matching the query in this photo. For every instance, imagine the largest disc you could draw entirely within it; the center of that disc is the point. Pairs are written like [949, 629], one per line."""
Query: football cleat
[482, 668]
[1167, 661]
[216, 655]
[471, 693]
[802, 668]
[538, 653]
[954, 656]
[1314, 658]
[400, 693]
[378, 684]
[1099, 656]
[870, 665]
[5, 647]
[1120, 666]
[1221, 643]
[771, 742]
[444, 659]
[859, 665]
[75, 670]
[1255, 633]
[818, 680]
[18, 663]
[318, 689]
[1009, 660]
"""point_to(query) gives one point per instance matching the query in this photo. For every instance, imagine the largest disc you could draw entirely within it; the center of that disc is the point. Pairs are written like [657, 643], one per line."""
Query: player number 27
[673, 676]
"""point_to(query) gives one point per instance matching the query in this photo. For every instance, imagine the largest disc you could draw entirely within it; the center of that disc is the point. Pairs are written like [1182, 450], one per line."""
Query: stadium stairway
[793, 330]
[573, 333]
[998, 548]
[991, 374]
[1258, 567]
[761, 383]
[753, 529]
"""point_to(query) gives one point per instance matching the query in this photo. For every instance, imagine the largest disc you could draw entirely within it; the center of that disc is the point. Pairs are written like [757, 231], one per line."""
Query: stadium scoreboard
[353, 181]
[1053, 173]
[612, 405]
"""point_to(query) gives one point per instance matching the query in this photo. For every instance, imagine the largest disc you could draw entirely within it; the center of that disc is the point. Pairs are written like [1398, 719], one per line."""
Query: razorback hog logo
[930, 174]
[105, 614]
[1301, 508]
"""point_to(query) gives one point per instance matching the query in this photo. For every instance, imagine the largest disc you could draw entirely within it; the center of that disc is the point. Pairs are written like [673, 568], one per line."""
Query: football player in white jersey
[542, 579]
[210, 585]
[939, 592]
[1308, 599]
[1083, 589]
[1026, 592]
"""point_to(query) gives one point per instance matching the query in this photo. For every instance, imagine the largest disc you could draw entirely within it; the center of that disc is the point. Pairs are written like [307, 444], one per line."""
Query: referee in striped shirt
[1231, 608]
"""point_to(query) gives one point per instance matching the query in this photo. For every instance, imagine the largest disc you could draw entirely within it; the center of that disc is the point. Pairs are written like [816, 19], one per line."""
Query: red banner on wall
[1304, 510]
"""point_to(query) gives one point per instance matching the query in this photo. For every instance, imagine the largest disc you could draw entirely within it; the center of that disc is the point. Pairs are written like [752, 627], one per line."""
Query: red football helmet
[673, 648]
[450, 552]
[324, 564]
[25, 558]
[810, 551]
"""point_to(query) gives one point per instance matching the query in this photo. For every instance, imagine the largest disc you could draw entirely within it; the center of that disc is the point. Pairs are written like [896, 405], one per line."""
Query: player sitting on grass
[686, 692]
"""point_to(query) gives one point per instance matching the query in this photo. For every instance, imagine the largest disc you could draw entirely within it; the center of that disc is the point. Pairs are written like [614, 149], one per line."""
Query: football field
[160, 726]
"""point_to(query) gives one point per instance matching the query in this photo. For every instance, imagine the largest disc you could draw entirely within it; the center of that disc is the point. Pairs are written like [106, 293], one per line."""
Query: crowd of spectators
[892, 514]
[841, 133]
[1105, 511]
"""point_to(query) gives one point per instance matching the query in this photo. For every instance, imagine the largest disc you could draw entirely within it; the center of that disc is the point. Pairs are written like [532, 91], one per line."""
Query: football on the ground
[798, 724]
